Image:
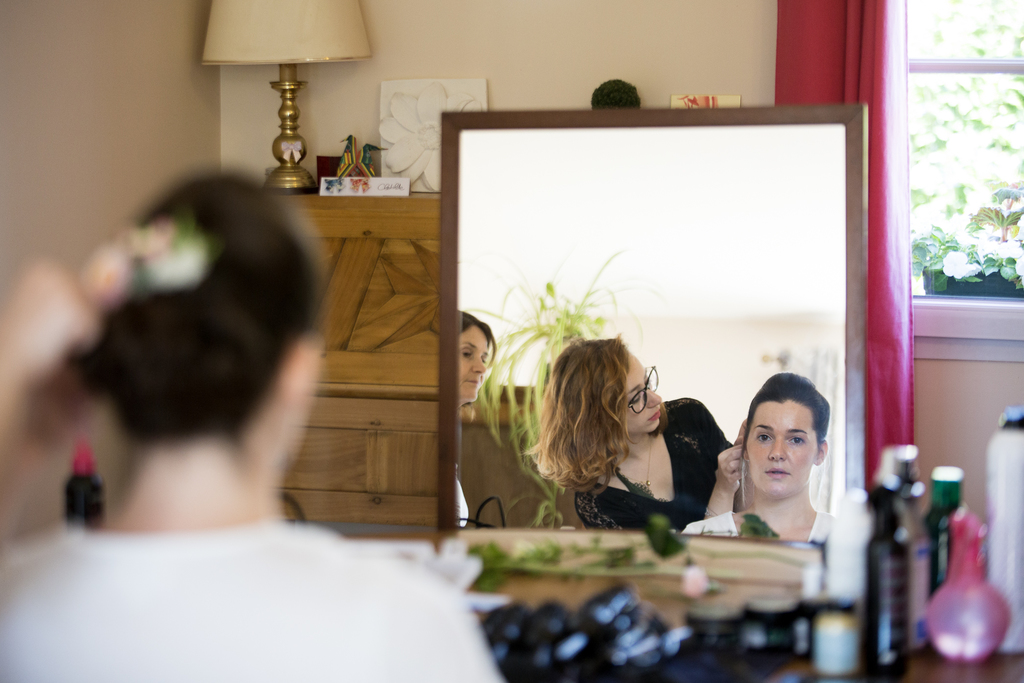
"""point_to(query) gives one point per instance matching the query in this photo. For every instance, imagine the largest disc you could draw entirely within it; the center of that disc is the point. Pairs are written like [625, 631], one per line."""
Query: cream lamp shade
[286, 32]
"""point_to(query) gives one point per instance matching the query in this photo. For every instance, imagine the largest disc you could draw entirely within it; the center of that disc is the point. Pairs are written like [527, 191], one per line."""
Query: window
[966, 111]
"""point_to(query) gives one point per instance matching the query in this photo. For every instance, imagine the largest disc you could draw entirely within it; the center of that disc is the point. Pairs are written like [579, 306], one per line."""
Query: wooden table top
[927, 666]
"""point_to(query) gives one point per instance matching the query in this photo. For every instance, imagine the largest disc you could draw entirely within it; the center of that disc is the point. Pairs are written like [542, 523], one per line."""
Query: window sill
[978, 329]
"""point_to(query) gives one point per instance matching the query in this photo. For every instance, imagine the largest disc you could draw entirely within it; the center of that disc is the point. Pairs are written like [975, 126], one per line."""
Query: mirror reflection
[716, 254]
[783, 438]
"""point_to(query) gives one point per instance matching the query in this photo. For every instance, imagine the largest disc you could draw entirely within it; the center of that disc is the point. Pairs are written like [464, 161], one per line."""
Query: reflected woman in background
[607, 436]
[476, 349]
[785, 437]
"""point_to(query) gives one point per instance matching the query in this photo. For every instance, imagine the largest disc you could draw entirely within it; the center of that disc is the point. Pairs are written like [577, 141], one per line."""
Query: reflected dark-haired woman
[607, 435]
[476, 349]
[785, 437]
[201, 333]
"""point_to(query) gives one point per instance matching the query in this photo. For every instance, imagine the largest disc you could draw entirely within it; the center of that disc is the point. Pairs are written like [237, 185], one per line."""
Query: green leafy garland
[572, 560]
[755, 527]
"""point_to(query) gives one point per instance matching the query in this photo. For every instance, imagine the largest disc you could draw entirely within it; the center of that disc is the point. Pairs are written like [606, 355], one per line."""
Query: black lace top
[694, 441]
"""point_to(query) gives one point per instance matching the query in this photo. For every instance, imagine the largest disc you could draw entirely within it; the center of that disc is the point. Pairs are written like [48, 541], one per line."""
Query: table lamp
[286, 32]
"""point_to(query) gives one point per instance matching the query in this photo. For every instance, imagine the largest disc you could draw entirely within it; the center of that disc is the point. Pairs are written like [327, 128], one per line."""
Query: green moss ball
[615, 94]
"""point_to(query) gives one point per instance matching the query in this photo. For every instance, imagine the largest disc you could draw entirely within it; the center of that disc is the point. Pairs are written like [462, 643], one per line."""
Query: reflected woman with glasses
[607, 435]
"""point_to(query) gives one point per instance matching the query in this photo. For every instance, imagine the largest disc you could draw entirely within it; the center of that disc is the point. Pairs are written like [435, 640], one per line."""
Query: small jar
[836, 649]
[715, 626]
[803, 624]
[768, 624]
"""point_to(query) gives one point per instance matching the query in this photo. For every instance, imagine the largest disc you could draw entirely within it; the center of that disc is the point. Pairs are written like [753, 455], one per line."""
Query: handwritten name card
[364, 187]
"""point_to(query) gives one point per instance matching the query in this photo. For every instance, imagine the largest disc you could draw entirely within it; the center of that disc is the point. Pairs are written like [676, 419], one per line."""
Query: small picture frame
[364, 187]
[704, 101]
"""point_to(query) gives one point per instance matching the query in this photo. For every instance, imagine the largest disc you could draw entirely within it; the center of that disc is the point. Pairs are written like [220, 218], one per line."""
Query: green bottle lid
[946, 486]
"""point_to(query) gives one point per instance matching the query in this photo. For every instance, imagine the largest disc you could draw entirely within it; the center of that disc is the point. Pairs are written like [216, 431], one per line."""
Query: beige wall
[103, 103]
[535, 54]
[957, 405]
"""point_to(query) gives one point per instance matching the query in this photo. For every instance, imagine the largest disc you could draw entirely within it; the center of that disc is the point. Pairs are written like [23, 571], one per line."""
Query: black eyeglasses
[639, 400]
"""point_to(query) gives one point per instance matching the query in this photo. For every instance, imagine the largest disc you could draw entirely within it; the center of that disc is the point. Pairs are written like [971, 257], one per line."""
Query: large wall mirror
[722, 245]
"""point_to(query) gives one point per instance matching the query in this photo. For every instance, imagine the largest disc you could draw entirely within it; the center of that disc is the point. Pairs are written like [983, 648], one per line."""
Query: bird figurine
[366, 162]
[350, 166]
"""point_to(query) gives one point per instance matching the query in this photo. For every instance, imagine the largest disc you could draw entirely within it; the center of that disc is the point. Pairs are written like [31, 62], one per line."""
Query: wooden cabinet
[370, 453]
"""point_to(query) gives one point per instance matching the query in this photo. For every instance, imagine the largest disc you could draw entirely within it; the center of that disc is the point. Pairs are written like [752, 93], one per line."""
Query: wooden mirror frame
[852, 117]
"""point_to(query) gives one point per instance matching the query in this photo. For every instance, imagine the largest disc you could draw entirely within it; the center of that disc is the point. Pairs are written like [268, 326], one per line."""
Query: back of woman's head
[789, 386]
[583, 432]
[198, 361]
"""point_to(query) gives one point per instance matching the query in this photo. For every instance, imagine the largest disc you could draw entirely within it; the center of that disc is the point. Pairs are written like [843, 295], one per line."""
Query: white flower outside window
[986, 246]
[955, 265]
[1010, 249]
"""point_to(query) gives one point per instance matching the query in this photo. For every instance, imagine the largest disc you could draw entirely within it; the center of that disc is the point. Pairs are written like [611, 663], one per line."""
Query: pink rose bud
[695, 581]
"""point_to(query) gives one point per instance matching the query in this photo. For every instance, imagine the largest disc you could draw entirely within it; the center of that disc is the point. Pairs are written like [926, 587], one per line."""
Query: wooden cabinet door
[370, 453]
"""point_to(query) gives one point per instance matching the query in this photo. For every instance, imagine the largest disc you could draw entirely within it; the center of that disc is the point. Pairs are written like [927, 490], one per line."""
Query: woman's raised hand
[45, 321]
[727, 476]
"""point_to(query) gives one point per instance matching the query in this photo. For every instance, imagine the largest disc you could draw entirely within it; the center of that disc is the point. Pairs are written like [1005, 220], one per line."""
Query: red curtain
[832, 51]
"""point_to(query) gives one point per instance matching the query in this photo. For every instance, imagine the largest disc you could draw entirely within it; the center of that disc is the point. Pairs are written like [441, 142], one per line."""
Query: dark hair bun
[789, 386]
[198, 361]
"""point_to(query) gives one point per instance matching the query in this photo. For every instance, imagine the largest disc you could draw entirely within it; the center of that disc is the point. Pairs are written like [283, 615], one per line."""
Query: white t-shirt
[267, 602]
[725, 525]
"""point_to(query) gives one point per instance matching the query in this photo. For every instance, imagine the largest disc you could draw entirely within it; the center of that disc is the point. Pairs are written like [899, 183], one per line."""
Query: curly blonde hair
[583, 433]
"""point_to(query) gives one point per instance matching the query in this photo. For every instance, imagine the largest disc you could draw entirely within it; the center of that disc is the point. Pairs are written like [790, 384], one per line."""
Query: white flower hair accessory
[168, 254]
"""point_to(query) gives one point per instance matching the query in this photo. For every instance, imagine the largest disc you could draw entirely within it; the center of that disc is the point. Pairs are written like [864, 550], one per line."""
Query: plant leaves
[620, 557]
[996, 217]
[494, 573]
[1011, 193]
[662, 537]
[754, 526]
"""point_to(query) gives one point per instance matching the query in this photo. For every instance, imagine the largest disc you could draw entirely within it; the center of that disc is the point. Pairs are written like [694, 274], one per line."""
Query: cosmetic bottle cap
[84, 464]
[904, 453]
[1012, 417]
[890, 460]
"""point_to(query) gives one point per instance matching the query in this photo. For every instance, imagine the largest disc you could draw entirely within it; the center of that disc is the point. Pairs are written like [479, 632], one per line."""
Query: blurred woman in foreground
[199, 328]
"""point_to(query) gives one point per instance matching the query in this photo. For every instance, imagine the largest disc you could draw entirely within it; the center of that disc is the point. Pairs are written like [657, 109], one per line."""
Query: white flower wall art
[410, 125]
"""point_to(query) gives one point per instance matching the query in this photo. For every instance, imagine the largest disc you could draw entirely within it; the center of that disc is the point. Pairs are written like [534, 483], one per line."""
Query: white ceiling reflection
[707, 222]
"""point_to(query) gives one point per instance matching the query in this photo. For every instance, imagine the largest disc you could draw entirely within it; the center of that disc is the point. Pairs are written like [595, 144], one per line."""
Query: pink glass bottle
[967, 618]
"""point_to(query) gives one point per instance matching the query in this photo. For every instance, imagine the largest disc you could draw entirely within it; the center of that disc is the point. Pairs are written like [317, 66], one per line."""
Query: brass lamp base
[289, 147]
[290, 181]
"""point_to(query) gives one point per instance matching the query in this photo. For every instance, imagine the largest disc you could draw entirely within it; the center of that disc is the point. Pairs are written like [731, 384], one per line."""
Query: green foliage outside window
[966, 130]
